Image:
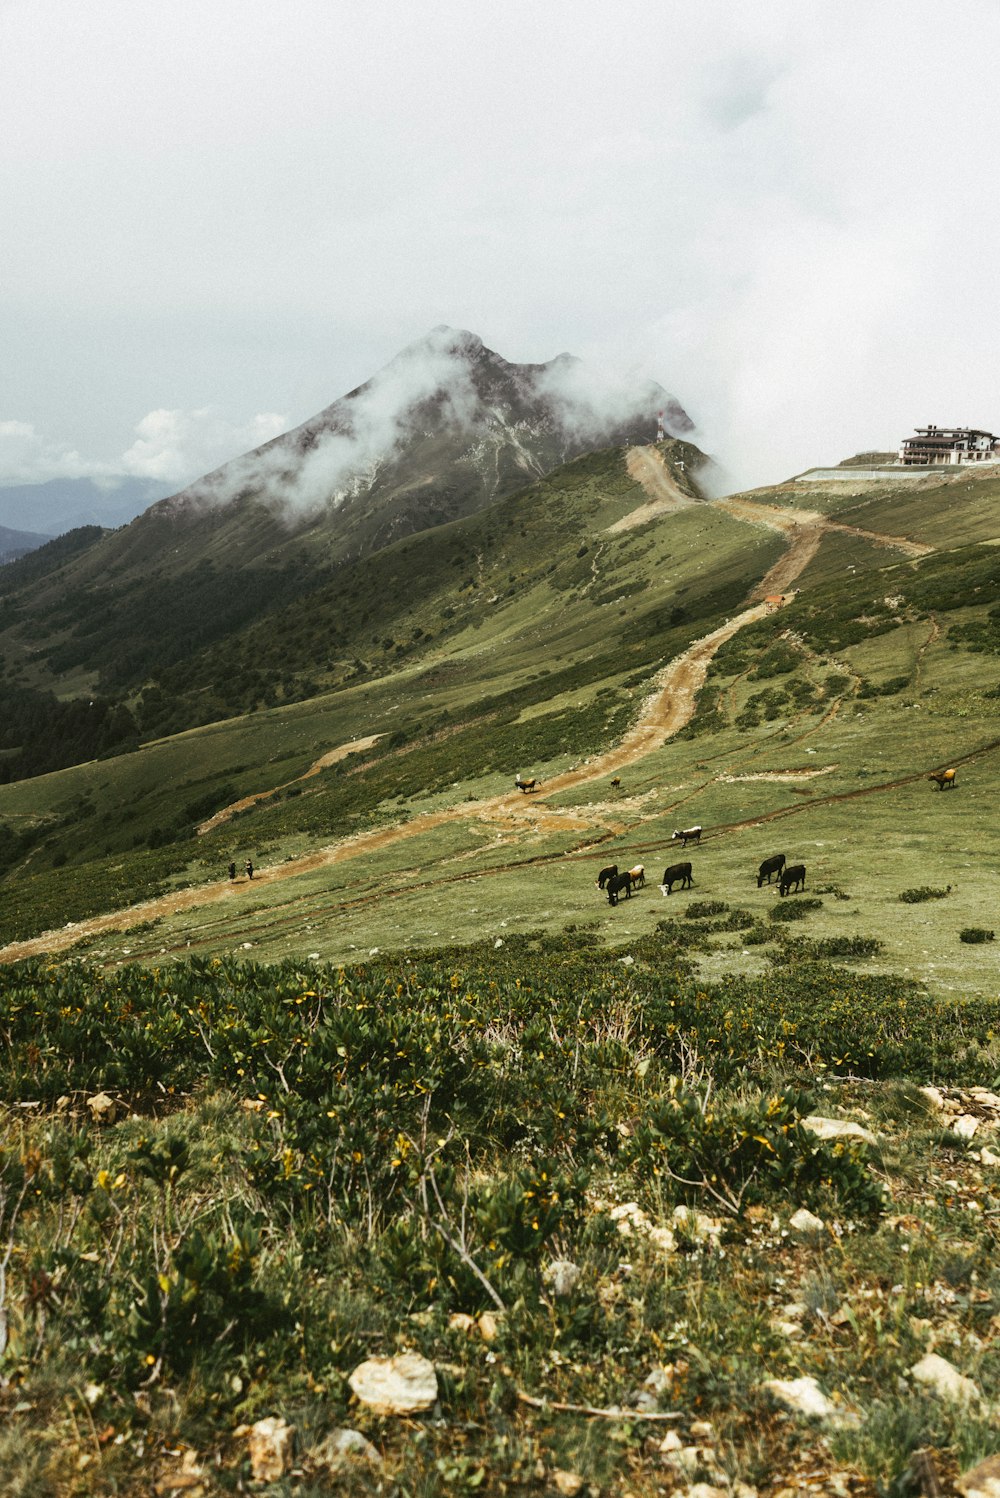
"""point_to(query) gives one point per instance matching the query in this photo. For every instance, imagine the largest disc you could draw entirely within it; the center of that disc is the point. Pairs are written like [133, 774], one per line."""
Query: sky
[218, 217]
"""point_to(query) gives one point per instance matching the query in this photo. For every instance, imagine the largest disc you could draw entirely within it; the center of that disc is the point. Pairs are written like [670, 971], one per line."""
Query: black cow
[794, 873]
[616, 884]
[681, 871]
[770, 866]
[606, 874]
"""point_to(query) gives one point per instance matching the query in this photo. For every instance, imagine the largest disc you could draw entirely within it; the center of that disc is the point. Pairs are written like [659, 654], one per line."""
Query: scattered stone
[401, 1385]
[805, 1226]
[986, 1099]
[570, 1484]
[965, 1126]
[697, 1226]
[981, 1481]
[987, 1157]
[489, 1326]
[343, 1445]
[186, 1477]
[706, 1490]
[93, 1394]
[671, 1442]
[803, 1396]
[702, 1430]
[562, 1277]
[934, 1096]
[660, 1380]
[102, 1108]
[629, 1218]
[461, 1321]
[944, 1379]
[837, 1128]
[632, 1222]
[271, 1448]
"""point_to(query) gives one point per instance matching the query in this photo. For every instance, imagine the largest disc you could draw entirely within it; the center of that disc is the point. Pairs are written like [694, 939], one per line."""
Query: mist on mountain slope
[447, 383]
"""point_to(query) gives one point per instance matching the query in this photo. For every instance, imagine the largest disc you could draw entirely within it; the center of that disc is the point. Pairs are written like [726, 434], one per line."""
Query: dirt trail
[667, 710]
[646, 467]
[325, 760]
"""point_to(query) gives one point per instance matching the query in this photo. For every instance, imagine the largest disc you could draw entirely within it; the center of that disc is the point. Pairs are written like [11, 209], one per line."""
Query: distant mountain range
[61, 505]
[15, 544]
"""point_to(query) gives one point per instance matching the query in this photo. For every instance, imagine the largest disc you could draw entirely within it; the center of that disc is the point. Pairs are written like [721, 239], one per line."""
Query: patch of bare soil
[330, 758]
[646, 467]
[779, 775]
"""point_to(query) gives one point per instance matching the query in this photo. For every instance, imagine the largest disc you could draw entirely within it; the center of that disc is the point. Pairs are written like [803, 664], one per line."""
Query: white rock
[805, 1226]
[663, 1239]
[944, 1379]
[671, 1442]
[344, 1444]
[562, 1277]
[981, 1481]
[697, 1225]
[271, 1448]
[986, 1099]
[987, 1157]
[568, 1483]
[706, 1490]
[803, 1396]
[401, 1385]
[837, 1128]
[965, 1126]
[629, 1218]
[102, 1108]
[702, 1430]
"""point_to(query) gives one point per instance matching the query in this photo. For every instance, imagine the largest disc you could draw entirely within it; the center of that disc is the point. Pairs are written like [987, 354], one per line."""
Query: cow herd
[791, 876]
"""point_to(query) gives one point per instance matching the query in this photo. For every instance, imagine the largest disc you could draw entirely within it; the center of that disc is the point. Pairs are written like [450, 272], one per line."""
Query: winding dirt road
[666, 710]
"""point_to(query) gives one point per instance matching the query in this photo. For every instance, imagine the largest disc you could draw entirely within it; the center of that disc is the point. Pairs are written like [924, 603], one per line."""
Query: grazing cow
[690, 835]
[681, 871]
[606, 874]
[770, 866]
[943, 779]
[619, 884]
[526, 785]
[616, 783]
[638, 876]
[794, 873]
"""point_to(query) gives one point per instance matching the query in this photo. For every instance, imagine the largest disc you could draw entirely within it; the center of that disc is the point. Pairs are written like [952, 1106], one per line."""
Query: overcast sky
[217, 217]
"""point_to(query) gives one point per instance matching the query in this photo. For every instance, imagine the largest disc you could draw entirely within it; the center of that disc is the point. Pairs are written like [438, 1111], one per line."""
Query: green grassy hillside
[256, 1132]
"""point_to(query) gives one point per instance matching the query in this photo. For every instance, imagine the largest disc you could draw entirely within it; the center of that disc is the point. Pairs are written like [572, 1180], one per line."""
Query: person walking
[249, 869]
[232, 871]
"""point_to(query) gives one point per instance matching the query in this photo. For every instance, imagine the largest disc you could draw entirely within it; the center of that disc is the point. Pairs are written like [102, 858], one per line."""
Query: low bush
[794, 910]
[923, 892]
[973, 934]
[700, 910]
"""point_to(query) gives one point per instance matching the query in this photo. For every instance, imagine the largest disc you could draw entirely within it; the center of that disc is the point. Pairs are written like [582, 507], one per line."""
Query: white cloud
[178, 445]
[173, 446]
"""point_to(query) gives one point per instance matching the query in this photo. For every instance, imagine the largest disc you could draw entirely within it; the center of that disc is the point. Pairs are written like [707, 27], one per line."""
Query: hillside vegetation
[418, 1087]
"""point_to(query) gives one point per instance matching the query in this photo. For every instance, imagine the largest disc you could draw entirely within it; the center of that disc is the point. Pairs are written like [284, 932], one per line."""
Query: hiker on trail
[249, 869]
[232, 871]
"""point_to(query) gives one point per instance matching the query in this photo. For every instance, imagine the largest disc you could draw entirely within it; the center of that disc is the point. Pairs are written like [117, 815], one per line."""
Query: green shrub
[973, 934]
[923, 892]
[699, 910]
[829, 948]
[794, 910]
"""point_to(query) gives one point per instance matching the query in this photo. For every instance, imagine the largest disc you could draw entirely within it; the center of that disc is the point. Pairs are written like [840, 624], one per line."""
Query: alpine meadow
[354, 1139]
